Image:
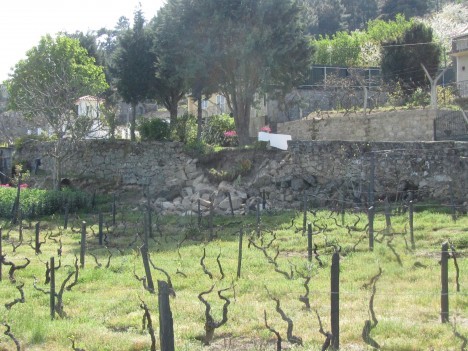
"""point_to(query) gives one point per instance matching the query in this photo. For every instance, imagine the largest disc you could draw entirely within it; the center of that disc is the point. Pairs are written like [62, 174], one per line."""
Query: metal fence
[451, 125]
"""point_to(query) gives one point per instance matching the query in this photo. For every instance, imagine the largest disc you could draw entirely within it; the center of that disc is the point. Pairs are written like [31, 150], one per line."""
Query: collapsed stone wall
[327, 171]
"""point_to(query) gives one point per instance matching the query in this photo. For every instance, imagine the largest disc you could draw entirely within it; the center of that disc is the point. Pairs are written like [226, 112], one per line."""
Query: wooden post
[304, 217]
[411, 224]
[309, 242]
[101, 224]
[388, 220]
[166, 322]
[230, 204]
[149, 278]
[52, 288]
[335, 301]
[342, 208]
[263, 199]
[239, 258]
[37, 247]
[258, 218]
[145, 231]
[371, 180]
[444, 298]
[371, 227]
[83, 244]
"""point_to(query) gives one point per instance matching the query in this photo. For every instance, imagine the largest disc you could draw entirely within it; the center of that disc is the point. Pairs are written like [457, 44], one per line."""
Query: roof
[89, 98]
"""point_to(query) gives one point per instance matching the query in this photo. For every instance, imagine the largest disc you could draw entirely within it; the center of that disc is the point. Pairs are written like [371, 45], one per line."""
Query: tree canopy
[253, 46]
[134, 66]
[46, 85]
[48, 82]
[402, 58]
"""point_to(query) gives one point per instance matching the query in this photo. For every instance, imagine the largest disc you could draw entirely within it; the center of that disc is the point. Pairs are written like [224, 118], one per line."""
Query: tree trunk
[58, 173]
[133, 123]
[242, 119]
[173, 113]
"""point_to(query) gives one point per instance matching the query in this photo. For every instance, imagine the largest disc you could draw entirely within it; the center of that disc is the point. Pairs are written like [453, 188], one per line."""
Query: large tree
[167, 30]
[135, 66]
[254, 46]
[402, 58]
[46, 85]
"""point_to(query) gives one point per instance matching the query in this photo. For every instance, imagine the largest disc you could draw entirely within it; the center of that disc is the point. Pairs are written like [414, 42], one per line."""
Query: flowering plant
[22, 186]
[230, 134]
[265, 129]
[230, 138]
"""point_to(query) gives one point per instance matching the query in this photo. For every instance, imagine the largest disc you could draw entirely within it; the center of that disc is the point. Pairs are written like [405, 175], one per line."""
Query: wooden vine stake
[335, 300]
[52, 288]
[411, 225]
[166, 323]
[83, 244]
[239, 259]
[309, 242]
[444, 298]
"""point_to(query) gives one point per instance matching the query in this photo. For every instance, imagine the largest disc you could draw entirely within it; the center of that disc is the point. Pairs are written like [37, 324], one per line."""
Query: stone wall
[383, 126]
[328, 171]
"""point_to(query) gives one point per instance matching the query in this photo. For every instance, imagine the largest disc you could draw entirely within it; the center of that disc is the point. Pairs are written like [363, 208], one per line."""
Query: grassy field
[103, 309]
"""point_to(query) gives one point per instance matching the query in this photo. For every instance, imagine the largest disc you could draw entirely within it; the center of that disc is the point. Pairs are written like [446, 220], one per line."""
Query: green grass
[103, 309]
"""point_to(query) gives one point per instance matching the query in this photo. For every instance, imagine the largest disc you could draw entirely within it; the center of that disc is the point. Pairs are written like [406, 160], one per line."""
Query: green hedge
[37, 202]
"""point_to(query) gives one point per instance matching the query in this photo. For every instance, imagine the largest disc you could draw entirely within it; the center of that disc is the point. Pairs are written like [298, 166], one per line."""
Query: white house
[460, 52]
[89, 106]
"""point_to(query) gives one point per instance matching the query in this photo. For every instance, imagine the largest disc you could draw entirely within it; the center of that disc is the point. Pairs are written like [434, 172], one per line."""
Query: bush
[213, 131]
[37, 202]
[185, 129]
[154, 129]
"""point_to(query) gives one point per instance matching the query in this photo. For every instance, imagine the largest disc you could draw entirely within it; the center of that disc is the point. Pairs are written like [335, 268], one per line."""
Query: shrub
[185, 128]
[215, 126]
[419, 98]
[37, 202]
[154, 129]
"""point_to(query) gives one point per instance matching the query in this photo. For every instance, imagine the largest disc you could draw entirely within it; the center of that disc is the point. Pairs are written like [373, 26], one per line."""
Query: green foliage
[359, 48]
[46, 85]
[215, 126]
[134, 66]
[37, 202]
[154, 129]
[21, 141]
[196, 148]
[268, 51]
[402, 59]
[240, 168]
[185, 128]
[419, 98]
[381, 31]
[103, 309]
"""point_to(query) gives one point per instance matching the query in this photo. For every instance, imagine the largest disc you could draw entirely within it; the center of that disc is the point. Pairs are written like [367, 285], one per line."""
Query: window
[221, 102]
[204, 104]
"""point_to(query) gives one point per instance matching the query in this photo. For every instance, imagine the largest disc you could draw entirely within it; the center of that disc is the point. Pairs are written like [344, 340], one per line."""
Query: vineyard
[313, 279]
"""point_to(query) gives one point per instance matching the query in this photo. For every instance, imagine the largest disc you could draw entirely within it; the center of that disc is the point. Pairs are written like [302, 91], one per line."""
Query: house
[460, 52]
[89, 106]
